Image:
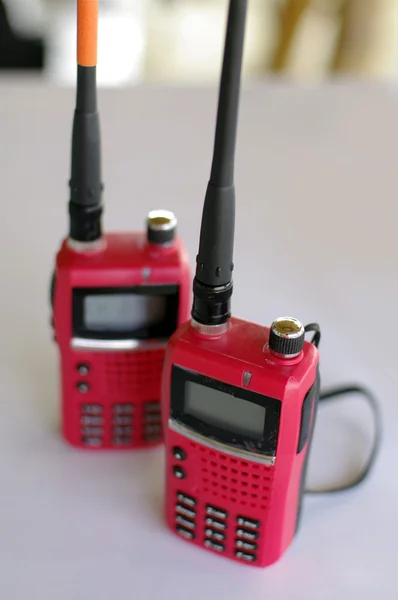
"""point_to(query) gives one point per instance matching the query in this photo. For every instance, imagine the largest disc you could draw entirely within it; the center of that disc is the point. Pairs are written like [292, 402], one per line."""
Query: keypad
[245, 556]
[248, 523]
[245, 545]
[214, 546]
[92, 441]
[122, 440]
[94, 423]
[150, 429]
[153, 417]
[212, 511]
[153, 437]
[188, 535]
[185, 522]
[215, 535]
[186, 512]
[247, 535]
[91, 420]
[152, 422]
[92, 409]
[185, 516]
[122, 420]
[216, 524]
[123, 409]
[188, 500]
[247, 532]
[152, 406]
[92, 431]
[126, 430]
[122, 424]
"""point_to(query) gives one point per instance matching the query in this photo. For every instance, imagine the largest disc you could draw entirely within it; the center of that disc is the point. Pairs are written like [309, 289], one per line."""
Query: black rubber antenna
[85, 205]
[212, 285]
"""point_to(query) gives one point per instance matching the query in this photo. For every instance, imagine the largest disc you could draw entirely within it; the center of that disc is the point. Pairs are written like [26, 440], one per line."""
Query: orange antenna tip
[87, 32]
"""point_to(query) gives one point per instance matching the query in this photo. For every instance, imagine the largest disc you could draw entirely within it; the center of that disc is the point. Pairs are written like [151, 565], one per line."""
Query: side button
[179, 453]
[83, 369]
[83, 387]
[179, 472]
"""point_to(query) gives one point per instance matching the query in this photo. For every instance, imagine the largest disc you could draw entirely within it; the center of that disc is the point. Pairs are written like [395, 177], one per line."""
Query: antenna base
[211, 305]
[85, 222]
[209, 330]
[214, 264]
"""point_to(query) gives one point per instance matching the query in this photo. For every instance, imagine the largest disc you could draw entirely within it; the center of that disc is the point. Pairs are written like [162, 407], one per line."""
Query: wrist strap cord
[367, 395]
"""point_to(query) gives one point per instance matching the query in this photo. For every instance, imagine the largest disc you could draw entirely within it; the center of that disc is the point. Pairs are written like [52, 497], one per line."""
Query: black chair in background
[16, 52]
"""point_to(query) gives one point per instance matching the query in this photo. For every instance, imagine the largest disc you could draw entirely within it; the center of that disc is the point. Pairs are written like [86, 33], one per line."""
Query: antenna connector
[211, 305]
[85, 222]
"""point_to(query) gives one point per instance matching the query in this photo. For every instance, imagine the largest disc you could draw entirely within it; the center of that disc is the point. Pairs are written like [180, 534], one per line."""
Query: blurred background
[180, 41]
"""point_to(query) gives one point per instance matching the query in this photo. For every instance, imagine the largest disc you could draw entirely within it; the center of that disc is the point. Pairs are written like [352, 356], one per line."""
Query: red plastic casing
[116, 378]
[241, 487]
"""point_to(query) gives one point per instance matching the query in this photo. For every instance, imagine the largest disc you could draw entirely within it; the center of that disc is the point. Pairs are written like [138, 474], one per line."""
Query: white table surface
[317, 216]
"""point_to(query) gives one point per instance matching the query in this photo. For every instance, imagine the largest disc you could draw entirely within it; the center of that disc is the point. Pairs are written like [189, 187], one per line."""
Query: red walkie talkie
[238, 399]
[116, 298]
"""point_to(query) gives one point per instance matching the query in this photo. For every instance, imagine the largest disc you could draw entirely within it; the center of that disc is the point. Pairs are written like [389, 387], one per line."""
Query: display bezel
[265, 446]
[159, 331]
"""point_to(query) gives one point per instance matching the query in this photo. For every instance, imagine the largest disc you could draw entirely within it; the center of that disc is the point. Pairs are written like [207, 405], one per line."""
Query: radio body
[114, 310]
[238, 424]
[116, 298]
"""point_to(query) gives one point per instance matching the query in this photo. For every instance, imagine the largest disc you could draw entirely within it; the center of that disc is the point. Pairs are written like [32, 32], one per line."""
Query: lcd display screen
[224, 411]
[122, 312]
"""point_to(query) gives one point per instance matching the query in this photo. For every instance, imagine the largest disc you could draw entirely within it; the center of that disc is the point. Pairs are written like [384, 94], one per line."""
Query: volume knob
[161, 227]
[286, 338]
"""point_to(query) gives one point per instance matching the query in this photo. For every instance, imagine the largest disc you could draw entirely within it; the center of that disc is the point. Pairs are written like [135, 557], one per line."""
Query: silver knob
[286, 339]
[161, 227]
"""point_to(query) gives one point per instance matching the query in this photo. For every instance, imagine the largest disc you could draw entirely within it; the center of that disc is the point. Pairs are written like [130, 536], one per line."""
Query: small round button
[83, 369]
[179, 453]
[179, 473]
[83, 387]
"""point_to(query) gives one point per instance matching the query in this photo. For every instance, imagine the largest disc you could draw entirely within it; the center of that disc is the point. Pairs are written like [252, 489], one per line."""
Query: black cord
[374, 405]
[367, 395]
[317, 335]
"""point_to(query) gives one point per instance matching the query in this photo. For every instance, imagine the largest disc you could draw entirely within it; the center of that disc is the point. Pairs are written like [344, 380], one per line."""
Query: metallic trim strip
[116, 345]
[200, 439]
